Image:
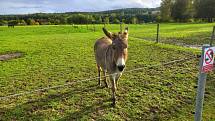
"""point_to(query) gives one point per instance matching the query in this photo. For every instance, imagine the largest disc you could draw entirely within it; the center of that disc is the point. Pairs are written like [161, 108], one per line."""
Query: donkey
[10, 25]
[111, 54]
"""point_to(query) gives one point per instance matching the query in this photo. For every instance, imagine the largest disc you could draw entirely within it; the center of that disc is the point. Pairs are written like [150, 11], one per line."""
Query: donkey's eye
[114, 46]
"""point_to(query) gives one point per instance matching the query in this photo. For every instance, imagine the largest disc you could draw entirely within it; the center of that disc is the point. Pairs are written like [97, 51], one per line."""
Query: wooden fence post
[87, 26]
[212, 36]
[158, 29]
[94, 28]
[104, 25]
[121, 27]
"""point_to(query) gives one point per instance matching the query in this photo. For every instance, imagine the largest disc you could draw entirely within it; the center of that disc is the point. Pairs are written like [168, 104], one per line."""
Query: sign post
[206, 65]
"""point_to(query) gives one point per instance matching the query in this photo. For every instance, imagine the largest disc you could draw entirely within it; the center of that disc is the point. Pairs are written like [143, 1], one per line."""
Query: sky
[59, 6]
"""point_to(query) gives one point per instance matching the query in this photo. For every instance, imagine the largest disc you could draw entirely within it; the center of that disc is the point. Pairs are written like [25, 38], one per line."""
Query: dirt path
[9, 56]
[179, 44]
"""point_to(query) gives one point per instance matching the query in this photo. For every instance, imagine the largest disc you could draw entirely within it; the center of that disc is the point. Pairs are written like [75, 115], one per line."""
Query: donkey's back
[100, 49]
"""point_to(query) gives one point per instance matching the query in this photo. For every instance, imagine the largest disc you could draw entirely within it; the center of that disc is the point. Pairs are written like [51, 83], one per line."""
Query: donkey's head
[119, 47]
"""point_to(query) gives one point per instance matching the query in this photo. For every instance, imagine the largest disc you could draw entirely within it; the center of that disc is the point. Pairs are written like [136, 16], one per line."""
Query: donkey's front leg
[113, 81]
[105, 79]
[117, 78]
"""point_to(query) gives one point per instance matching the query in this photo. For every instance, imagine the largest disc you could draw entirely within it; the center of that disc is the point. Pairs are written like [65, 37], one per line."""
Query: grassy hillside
[55, 55]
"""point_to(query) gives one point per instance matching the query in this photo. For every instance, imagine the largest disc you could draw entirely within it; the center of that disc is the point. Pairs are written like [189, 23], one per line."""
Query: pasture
[56, 55]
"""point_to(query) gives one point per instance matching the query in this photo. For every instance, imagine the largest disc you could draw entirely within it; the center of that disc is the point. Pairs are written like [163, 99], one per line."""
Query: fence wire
[93, 78]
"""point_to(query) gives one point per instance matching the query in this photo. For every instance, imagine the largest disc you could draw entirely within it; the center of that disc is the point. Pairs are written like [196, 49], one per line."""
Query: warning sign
[208, 59]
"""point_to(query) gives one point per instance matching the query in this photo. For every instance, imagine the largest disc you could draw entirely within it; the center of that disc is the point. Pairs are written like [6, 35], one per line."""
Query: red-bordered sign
[209, 56]
[208, 59]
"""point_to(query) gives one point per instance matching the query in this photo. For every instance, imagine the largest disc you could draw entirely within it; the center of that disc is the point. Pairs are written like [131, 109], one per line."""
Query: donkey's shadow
[27, 109]
[86, 110]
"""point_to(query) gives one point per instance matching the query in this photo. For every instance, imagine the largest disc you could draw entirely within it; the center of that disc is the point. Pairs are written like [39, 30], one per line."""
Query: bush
[36, 23]
[3, 22]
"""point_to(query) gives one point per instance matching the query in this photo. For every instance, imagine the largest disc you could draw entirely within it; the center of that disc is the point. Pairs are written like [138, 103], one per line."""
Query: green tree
[182, 10]
[77, 19]
[13, 22]
[166, 7]
[30, 21]
[205, 9]
[99, 21]
[22, 22]
[63, 20]
[36, 23]
[90, 19]
[116, 21]
[70, 20]
[106, 20]
[134, 20]
[3, 22]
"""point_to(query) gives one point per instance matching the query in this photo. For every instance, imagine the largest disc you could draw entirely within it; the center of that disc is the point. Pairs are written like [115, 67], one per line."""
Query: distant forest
[128, 16]
[170, 11]
[187, 11]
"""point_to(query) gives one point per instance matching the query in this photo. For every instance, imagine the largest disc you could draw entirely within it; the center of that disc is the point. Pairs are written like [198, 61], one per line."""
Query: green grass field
[178, 34]
[55, 55]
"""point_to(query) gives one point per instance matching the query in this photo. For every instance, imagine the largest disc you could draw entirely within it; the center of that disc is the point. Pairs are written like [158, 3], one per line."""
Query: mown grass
[173, 33]
[55, 55]
[180, 34]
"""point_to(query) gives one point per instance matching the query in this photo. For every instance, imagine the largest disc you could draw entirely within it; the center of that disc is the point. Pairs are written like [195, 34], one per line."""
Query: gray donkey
[111, 54]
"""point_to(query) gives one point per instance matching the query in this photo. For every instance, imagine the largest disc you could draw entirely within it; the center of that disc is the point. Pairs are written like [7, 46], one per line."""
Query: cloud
[35, 6]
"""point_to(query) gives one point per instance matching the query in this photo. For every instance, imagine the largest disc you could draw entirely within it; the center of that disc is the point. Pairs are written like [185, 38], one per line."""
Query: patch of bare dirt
[10, 56]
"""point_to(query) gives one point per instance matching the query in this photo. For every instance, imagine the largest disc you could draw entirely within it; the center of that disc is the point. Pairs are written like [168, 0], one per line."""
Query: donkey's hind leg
[99, 75]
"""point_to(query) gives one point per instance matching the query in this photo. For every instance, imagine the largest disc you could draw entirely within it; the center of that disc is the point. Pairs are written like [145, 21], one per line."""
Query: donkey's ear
[107, 33]
[126, 30]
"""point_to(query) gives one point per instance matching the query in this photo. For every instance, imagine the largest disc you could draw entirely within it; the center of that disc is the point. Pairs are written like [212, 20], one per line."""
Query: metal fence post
[212, 36]
[87, 26]
[201, 88]
[104, 25]
[120, 26]
[158, 29]
[94, 28]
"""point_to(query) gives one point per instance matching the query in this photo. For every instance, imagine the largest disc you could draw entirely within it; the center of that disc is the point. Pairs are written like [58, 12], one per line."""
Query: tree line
[187, 10]
[128, 16]
[169, 11]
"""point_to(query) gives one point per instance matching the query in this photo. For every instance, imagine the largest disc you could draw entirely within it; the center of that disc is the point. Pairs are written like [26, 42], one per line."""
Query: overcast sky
[36, 6]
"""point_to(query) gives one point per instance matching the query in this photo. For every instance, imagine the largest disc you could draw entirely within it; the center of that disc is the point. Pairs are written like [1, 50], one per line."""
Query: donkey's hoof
[113, 104]
[106, 85]
[99, 84]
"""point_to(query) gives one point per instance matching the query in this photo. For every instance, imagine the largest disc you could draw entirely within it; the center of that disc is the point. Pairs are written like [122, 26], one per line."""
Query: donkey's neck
[109, 58]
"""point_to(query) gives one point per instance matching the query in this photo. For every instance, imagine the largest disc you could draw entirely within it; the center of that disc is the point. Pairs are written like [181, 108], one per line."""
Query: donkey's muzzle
[121, 67]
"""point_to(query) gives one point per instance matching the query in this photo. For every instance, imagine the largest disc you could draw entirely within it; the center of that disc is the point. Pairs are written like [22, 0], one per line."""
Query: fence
[193, 35]
[89, 79]
[7, 97]
[190, 35]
